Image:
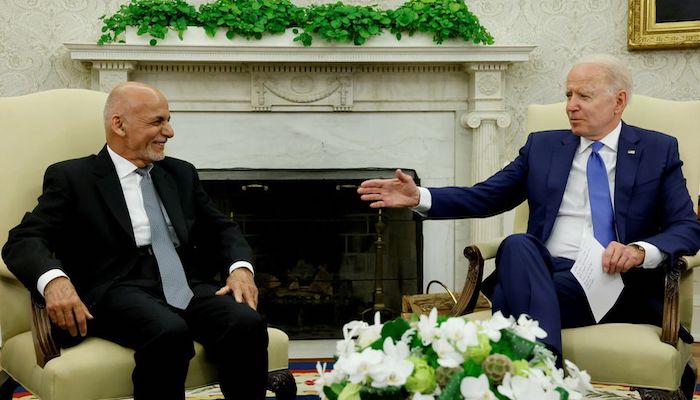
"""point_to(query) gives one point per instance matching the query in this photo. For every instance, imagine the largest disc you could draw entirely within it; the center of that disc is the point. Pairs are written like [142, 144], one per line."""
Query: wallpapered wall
[32, 56]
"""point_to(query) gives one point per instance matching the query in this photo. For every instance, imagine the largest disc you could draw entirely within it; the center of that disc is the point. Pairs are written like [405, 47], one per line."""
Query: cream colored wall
[32, 56]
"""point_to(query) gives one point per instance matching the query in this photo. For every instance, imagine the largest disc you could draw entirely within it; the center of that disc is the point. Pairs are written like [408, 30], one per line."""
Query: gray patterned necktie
[172, 275]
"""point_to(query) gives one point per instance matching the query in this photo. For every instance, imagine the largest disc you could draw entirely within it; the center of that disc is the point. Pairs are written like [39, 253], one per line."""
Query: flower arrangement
[439, 358]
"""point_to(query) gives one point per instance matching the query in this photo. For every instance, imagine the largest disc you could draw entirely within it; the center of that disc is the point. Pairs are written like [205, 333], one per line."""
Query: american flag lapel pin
[632, 151]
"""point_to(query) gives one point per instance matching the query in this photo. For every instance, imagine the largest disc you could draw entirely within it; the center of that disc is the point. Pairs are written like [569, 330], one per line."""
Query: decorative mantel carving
[461, 87]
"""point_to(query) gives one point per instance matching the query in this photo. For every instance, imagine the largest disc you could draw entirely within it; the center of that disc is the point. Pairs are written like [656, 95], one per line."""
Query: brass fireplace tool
[385, 312]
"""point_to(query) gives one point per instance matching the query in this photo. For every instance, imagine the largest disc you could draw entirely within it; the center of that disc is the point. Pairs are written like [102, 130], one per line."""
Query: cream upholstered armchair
[37, 130]
[648, 358]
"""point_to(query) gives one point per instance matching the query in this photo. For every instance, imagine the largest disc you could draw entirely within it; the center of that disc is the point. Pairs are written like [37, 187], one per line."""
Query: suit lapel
[110, 188]
[167, 190]
[629, 153]
[559, 168]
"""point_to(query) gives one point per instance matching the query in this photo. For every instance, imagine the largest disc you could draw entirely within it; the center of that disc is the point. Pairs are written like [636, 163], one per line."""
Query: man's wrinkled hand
[618, 257]
[241, 284]
[400, 191]
[65, 308]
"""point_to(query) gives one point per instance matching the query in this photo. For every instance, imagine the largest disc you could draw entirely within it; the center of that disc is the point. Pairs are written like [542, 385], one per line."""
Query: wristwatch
[641, 250]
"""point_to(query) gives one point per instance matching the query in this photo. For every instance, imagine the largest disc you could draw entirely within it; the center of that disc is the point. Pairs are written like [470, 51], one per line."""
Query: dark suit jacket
[81, 225]
[652, 203]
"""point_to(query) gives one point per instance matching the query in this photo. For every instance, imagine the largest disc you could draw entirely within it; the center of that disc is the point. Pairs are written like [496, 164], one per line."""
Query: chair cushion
[611, 354]
[80, 372]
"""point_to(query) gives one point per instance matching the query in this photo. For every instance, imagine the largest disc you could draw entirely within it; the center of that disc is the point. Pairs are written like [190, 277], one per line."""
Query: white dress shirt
[574, 221]
[131, 187]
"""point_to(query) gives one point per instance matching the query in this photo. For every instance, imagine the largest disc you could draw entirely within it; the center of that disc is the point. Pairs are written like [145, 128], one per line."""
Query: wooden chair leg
[656, 394]
[282, 384]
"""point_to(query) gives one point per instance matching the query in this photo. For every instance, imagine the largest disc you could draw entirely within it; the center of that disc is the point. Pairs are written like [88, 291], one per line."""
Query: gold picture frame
[644, 33]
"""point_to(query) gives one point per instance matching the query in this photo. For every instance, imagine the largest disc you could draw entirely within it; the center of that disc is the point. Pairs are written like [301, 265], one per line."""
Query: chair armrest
[670, 324]
[45, 347]
[487, 249]
[691, 261]
[469, 295]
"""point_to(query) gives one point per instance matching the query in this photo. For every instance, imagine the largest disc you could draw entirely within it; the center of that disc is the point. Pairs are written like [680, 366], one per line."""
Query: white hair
[615, 70]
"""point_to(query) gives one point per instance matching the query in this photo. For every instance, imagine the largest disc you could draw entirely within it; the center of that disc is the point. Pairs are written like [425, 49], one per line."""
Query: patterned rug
[305, 373]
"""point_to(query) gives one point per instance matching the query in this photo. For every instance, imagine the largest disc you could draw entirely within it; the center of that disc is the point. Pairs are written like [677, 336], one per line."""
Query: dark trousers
[134, 314]
[530, 281]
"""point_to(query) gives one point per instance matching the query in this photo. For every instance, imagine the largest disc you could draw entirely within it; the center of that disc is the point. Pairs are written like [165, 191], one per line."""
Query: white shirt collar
[123, 166]
[610, 140]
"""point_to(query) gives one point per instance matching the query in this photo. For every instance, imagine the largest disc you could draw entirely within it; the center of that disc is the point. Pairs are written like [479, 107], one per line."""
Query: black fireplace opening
[322, 256]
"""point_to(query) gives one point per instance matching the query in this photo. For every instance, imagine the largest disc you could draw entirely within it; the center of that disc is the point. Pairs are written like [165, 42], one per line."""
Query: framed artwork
[663, 24]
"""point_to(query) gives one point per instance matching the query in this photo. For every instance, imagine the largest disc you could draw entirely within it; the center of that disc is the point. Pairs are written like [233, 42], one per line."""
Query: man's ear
[620, 101]
[117, 124]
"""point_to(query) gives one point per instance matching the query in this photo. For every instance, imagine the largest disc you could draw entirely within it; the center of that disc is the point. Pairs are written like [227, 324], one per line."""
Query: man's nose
[168, 130]
[571, 105]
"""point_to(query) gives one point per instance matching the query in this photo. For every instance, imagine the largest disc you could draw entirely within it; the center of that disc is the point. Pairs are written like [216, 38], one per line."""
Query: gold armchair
[35, 131]
[651, 359]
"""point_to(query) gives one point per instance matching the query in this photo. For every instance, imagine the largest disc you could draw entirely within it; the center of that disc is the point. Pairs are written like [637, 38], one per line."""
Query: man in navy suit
[87, 250]
[653, 223]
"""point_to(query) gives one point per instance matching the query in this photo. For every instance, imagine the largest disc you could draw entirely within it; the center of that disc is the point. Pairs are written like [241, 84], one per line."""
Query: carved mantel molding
[464, 85]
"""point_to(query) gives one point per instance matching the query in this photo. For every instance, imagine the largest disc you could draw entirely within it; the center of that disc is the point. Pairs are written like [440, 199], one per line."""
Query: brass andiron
[385, 312]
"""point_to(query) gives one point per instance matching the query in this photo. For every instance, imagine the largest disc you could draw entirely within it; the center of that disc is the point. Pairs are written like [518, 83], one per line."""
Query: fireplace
[315, 245]
[439, 110]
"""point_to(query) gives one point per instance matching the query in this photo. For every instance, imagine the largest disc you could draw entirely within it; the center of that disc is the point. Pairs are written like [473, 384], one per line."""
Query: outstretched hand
[241, 284]
[65, 308]
[397, 192]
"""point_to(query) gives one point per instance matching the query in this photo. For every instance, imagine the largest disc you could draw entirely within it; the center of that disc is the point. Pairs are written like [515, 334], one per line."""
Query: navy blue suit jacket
[652, 203]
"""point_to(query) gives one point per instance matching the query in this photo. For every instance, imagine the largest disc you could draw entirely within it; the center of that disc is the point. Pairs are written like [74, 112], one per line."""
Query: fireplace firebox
[322, 256]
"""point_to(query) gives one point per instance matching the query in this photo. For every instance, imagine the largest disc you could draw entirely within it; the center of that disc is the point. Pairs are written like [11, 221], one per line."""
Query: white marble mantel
[437, 109]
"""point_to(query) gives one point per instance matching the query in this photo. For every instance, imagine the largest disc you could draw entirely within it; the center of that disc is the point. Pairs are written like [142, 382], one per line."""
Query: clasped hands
[67, 311]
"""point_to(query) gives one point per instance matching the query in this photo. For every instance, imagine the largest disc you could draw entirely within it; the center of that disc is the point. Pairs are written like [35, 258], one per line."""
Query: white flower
[545, 381]
[476, 388]
[529, 328]
[492, 327]
[395, 368]
[460, 332]
[343, 348]
[448, 356]
[351, 329]
[358, 366]
[578, 382]
[325, 378]
[521, 388]
[369, 334]
[427, 327]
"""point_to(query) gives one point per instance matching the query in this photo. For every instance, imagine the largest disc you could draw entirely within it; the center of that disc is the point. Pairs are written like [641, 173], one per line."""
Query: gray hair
[616, 72]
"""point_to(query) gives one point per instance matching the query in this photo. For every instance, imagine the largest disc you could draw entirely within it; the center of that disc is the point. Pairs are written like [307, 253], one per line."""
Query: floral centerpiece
[438, 358]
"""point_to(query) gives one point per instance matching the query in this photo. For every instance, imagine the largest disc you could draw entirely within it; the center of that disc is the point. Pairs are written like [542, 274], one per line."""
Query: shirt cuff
[424, 202]
[47, 277]
[241, 264]
[653, 257]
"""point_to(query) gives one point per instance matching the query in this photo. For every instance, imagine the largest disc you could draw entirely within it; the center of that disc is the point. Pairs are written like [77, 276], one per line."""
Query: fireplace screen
[322, 256]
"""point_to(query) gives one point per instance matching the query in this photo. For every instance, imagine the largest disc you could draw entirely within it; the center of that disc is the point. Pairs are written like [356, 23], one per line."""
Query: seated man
[124, 245]
[620, 184]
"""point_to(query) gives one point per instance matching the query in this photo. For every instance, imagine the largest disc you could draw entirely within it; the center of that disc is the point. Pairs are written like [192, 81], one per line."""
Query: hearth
[315, 245]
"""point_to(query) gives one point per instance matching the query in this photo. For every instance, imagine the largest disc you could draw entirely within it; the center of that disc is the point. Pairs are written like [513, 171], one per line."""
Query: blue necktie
[599, 195]
[172, 275]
